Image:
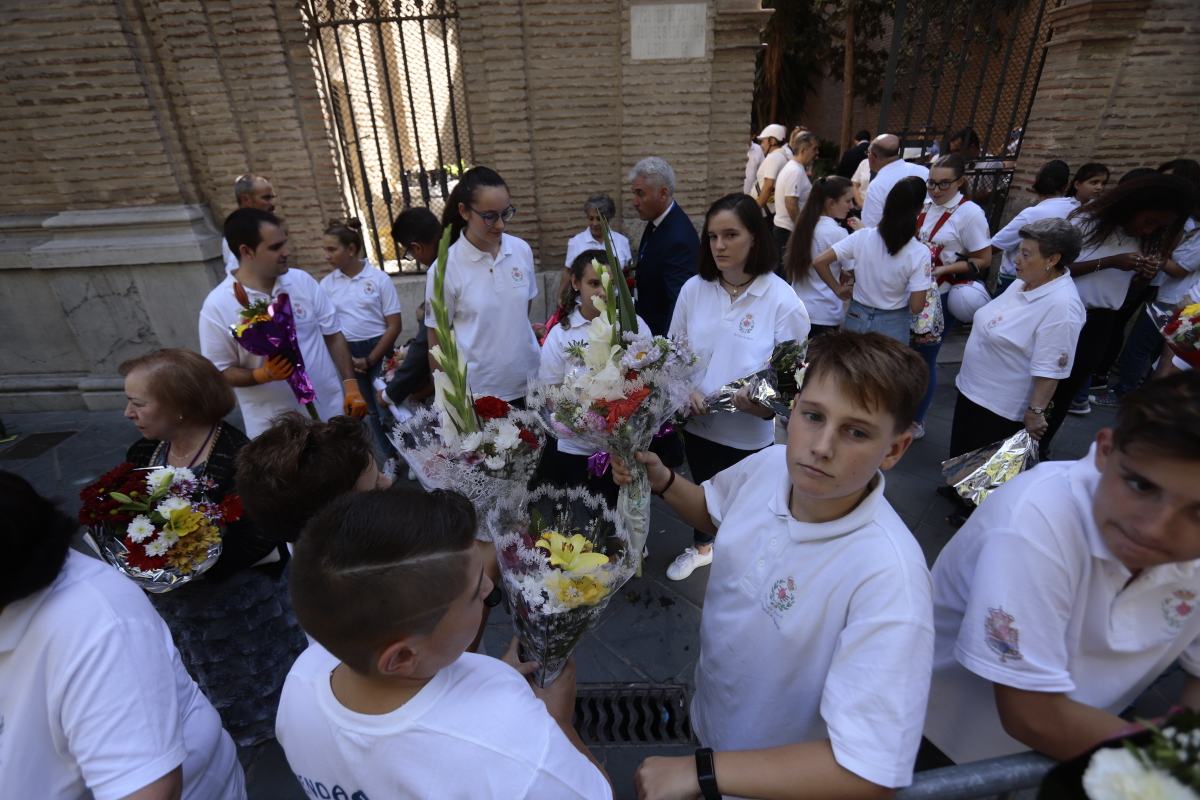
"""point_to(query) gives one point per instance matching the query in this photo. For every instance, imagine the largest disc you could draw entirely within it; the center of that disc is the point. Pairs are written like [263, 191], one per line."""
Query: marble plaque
[668, 31]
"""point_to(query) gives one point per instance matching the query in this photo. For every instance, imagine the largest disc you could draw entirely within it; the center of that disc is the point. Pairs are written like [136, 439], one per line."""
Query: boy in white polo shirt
[261, 243]
[817, 636]
[1072, 589]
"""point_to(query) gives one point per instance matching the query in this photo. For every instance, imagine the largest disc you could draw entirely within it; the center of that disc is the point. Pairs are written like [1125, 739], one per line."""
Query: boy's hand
[698, 406]
[656, 471]
[513, 659]
[661, 778]
[742, 402]
[559, 696]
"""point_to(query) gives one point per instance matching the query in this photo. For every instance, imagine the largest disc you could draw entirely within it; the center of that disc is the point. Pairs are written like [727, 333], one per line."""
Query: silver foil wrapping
[774, 387]
[977, 474]
[112, 549]
[762, 390]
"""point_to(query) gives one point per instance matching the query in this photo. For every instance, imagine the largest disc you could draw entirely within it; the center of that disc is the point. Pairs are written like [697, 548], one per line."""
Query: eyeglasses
[932, 184]
[489, 217]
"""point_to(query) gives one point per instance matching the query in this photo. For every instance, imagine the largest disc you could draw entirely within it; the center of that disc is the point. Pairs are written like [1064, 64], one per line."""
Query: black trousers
[705, 459]
[569, 469]
[1093, 340]
[975, 426]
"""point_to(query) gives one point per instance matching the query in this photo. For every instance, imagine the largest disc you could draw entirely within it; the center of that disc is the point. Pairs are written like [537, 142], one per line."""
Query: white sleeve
[572, 251]
[553, 366]
[721, 489]
[973, 233]
[624, 255]
[678, 326]
[872, 211]
[1054, 348]
[326, 312]
[846, 248]
[389, 298]
[1014, 629]
[1009, 237]
[862, 175]
[216, 341]
[430, 321]
[920, 268]
[1187, 254]
[123, 742]
[792, 321]
[1189, 659]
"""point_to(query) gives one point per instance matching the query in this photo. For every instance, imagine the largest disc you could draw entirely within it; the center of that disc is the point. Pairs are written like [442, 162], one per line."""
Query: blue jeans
[1144, 344]
[929, 352]
[893, 323]
[382, 447]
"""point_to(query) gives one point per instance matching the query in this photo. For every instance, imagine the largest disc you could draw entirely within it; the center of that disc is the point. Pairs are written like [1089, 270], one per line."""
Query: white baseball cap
[775, 131]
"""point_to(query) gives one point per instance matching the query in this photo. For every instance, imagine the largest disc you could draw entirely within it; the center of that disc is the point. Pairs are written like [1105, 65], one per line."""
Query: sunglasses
[489, 217]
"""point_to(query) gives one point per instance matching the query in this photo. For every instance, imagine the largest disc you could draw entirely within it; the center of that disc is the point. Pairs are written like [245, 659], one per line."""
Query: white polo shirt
[476, 730]
[812, 631]
[754, 157]
[94, 699]
[1028, 595]
[1008, 238]
[1187, 255]
[555, 364]
[488, 301]
[231, 261]
[824, 307]
[1017, 337]
[363, 301]
[584, 241]
[882, 183]
[881, 280]
[1104, 288]
[735, 338]
[315, 319]
[769, 169]
[792, 181]
[964, 232]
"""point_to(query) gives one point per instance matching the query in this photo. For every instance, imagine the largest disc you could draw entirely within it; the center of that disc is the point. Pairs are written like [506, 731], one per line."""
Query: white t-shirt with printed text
[1028, 595]
[735, 339]
[363, 301]
[812, 631]
[824, 307]
[475, 731]
[881, 280]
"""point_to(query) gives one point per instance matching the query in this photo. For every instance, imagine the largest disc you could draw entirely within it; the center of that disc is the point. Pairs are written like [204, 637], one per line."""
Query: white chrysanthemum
[158, 480]
[1116, 774]
[494, 462]
[182, 475]
[471, 442]
[140, 529]
[171, 504]
[508, 435]
[158, 547]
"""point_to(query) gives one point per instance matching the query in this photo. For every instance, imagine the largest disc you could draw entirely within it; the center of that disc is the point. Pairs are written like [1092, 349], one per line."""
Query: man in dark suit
[669, 249]
[854, 155]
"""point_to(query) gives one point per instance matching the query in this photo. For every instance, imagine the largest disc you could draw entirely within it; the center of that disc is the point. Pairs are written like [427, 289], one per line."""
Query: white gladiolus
[607, 384]
[599, 348]
[1114, 773]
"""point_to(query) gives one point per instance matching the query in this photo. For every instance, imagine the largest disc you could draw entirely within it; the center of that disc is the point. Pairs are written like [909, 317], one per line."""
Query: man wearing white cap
[771, 139]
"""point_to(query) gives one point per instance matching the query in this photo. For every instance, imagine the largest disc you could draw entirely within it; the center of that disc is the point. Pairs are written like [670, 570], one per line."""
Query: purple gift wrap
[272, 332]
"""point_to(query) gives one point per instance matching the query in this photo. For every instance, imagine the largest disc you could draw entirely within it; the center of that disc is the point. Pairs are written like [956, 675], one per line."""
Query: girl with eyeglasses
[490, 285]
[960, 250]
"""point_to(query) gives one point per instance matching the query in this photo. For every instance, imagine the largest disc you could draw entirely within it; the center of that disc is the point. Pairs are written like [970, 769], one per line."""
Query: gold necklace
[735, 289]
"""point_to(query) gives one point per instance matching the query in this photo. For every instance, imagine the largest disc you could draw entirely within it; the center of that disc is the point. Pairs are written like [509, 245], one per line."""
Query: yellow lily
[580, 590]
[573, 554]
[183, 521]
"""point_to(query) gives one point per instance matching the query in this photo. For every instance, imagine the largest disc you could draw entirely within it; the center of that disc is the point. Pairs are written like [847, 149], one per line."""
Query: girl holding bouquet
[490, 285]
[567, 463]
[233, 624]
[733, 314]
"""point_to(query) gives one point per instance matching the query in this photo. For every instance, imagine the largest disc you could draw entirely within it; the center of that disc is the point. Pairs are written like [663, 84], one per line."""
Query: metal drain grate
[632, 714]
[34, 445]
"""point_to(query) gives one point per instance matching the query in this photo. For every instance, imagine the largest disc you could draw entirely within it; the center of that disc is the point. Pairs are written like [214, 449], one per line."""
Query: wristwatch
[1035, 410]
[706, 774]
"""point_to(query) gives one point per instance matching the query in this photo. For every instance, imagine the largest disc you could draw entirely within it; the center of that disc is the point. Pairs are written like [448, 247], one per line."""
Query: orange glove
[275, 368]
[353, 404]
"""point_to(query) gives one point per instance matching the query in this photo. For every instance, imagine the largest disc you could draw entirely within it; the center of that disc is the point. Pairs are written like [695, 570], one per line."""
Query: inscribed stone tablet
[669, 30]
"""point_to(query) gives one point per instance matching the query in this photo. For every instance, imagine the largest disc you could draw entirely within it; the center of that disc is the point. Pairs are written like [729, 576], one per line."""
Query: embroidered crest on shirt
[518, 276]
[1178, 606]
[780, 597]
[996, 320]
[746, 326]
[1062, 360]
[1002, 637]
[368, 288]
[298, 310]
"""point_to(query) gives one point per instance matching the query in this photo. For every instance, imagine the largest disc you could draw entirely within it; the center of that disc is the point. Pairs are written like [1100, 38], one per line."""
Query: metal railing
[989, 778]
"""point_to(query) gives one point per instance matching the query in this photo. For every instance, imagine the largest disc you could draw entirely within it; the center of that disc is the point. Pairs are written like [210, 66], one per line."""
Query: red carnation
[231, 508]
[491, 408]
[528, 438]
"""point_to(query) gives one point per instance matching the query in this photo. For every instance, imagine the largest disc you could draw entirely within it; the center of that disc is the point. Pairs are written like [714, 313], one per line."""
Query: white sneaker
[686, 562]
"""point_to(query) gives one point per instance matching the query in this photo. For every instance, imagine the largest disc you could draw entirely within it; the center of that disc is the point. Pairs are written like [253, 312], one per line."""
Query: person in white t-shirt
[1124, 232]
[1089, 182]
[1071, 589]
[733, 314]
[817, 634]
[94, 699]
[368, 308]
[772, 140]
[249, 191]
[258, 382]
[792, 186]
[818, 228]
[861, 179]
[388, 704]
[885, 270]
[599, 207]
[490, 286]
[565, 462]
[1050, 187]
[888, 169]
[754, 157]
[955, 231]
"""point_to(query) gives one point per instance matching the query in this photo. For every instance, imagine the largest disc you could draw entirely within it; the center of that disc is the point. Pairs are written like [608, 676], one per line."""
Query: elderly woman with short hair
[1021, 344]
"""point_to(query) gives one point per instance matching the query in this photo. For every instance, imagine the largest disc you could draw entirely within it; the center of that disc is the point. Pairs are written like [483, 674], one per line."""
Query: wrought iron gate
[957, 64]
[395, 105]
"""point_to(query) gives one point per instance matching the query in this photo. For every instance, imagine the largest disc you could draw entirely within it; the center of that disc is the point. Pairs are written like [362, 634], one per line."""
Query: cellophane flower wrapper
[774, 387]
[486, 466]
[553, 603]
[977, 474]
[157, 525]
[1182, 333]
[271, 331]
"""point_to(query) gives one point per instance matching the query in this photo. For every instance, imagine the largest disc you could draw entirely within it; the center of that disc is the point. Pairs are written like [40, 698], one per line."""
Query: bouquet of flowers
[156, 525]
[1156, 762]
[624, 388]
[562, 555]
[1182, 333]
[977, 474]
[268, 329]
[481, 447]
[774, 387]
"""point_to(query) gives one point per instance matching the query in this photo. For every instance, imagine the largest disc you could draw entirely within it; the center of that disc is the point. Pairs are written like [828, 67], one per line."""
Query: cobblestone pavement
[650, 631]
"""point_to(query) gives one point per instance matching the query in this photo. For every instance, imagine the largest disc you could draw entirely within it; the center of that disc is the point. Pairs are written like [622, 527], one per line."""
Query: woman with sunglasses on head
[490, 284]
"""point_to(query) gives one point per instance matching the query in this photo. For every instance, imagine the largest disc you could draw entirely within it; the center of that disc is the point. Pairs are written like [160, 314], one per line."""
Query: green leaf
[450, 363]
[626, 315]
